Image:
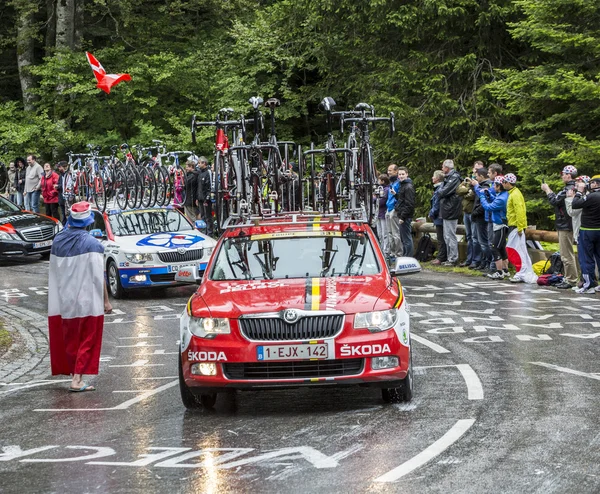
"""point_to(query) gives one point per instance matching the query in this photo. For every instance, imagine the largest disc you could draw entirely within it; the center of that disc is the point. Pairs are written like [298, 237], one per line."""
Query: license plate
[174, 268]
[39, 245]
[292, 352]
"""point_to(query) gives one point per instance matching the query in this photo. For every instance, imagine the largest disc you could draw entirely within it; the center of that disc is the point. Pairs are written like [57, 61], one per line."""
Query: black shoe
[564, 285]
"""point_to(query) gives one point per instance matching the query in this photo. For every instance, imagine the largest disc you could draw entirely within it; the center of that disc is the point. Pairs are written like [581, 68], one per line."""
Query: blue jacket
[394, 187]
[434, 212]
[495, 205]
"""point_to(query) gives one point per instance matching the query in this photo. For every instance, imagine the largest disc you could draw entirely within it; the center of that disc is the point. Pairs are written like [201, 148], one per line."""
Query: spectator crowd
[28, 182]
[488, 203]
[491, 207]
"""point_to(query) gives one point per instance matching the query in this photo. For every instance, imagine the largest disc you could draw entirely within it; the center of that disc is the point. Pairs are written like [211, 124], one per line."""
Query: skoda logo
[181, 250]
[290, 315]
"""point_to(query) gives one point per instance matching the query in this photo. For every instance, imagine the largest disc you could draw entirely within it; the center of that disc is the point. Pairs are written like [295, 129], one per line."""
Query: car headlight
[208, 327]
[58, 227]
[208, 251]
[139, 258]
[376, 321]
[7, 236]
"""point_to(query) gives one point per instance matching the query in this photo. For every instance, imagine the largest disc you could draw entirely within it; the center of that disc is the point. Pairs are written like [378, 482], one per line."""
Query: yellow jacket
[516, 212]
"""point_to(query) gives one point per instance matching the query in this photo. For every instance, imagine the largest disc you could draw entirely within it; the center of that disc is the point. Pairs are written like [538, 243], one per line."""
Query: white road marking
[140, 344]
[152, 378]
[138, 363]
[474, 387]
[132, 391]
[438, 447]
[434, 346]
[566, 370]
[34, 385]
[141, 335]
[123, 406]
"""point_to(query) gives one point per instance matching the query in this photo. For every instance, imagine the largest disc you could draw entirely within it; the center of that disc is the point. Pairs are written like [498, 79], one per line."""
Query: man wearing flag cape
[77, 299]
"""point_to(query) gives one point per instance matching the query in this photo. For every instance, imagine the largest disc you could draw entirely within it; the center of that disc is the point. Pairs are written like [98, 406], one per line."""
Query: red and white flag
[105, 81]
[516, 248]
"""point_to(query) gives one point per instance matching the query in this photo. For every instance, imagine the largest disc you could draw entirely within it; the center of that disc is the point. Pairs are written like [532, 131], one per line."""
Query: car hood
[23, 220]
[232, 299]
[165, 241]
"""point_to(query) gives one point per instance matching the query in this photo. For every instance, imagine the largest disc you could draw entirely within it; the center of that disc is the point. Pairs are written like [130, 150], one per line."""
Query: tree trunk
[78, 34]
[65, 24]
[25, 52]
[50, 26]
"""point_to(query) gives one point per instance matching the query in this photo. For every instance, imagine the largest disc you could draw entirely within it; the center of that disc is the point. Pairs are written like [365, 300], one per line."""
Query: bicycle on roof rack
[361, 166]
[229, 187]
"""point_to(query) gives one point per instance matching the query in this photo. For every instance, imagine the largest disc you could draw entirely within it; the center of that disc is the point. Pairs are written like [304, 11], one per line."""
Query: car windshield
[268, 257]
[7, 207]
[148, 221]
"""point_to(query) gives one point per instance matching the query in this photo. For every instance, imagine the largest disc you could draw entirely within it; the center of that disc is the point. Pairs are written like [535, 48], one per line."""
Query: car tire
[115, 288]
[209, 400]
[188, 398]
[402, 393]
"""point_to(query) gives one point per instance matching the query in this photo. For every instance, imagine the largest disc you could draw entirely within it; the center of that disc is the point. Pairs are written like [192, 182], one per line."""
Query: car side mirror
[200, 225]
[406, 265]
[97, 233]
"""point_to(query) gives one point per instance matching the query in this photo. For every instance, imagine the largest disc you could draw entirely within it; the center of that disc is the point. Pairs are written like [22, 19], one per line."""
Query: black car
[23, 233]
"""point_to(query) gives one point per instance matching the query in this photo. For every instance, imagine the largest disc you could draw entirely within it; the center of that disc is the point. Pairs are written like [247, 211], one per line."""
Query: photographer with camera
[564, 225]
[589, 232]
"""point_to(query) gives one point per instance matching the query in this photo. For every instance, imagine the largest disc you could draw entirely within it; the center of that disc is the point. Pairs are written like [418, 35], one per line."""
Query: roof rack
[297, 218]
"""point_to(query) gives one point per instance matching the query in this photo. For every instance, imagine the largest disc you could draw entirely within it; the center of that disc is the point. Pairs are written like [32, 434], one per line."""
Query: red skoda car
[296, 301]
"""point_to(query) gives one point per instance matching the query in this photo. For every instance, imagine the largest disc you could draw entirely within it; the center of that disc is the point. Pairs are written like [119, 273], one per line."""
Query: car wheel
[187, 397]
[402, 393]
[208, 401]
[114, 281]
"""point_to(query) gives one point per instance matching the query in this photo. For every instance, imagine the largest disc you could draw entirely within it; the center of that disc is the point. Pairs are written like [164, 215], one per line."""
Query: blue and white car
[147, 247]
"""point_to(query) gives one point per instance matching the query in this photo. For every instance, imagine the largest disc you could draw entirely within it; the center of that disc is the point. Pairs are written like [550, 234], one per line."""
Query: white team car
[147, 247]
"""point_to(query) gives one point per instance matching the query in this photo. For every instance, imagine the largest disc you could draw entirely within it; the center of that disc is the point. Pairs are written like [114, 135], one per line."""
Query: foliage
[514, 81]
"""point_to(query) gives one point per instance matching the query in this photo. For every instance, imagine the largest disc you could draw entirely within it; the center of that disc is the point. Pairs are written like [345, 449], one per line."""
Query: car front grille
[294, 370]
[276, 329]
[158, 278]
[174, 256]
[38, 233]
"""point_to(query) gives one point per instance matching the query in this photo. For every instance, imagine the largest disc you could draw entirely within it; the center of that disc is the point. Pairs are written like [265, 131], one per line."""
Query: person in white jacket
[575, 215]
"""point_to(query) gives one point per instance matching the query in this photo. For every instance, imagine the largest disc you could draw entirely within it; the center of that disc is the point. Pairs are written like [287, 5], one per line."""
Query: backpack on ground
[550, 279]
[554, 265]
[425, 248]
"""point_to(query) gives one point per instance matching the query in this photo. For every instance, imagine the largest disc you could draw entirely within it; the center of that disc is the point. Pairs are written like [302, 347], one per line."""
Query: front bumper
[20, 248]
[349, 361]
[149, 276]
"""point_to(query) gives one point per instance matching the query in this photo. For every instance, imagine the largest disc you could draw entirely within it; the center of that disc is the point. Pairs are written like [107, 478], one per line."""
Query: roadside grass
[5, 338]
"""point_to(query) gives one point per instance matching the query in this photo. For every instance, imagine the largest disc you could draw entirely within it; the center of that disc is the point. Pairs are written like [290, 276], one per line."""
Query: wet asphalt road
[506, 400]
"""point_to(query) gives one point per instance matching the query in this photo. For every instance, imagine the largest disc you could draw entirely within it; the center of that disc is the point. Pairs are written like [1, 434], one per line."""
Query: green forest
[511, 81]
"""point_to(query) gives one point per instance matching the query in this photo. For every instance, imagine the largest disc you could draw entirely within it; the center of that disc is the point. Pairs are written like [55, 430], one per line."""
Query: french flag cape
[516, 248]
[75, 302]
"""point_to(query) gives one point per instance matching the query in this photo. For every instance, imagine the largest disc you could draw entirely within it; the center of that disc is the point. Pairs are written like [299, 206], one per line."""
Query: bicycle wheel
[132, 188]
[148, 188]
[121, 189]
[81, 187]
[365, 176]
[99, 193]
[221, 190]
[161, 179]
